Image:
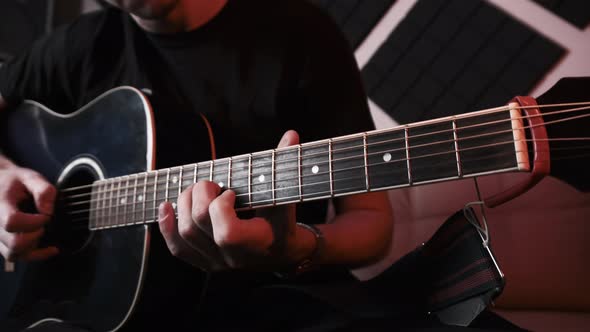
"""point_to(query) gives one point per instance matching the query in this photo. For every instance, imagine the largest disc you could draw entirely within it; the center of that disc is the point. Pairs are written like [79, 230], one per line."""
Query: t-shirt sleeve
[332, 89]
[39, 73]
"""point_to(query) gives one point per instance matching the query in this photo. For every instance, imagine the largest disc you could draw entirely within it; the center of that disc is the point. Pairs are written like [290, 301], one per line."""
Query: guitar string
[208, 163]
[212, 175]
[326, 193]
[295, 178]
[245, 205]
[253, 175]
[226, 173]
[316, 183]
[349, 178]
[403, 160]
[149, 201]
[145, 193]
[557, 120]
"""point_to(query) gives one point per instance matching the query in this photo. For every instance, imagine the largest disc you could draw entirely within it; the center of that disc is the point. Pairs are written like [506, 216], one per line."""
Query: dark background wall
[451, 56]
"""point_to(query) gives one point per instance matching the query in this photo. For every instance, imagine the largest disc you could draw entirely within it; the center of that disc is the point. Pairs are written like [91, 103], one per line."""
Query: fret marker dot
[315, 169]
[139, 198]
[261, 178]
[220, 184]
[387, 157]
[174, 179]
[123, 200]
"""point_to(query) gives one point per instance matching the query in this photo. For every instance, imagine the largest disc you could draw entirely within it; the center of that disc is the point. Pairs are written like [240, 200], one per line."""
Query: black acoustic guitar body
[100, 280]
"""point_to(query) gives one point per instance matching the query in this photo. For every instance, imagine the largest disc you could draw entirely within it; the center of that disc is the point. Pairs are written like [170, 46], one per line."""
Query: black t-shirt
[257, 69]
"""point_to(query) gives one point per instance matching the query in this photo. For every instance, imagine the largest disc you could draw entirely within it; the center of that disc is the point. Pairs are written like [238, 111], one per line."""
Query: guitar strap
[453, 276]
[462, 272]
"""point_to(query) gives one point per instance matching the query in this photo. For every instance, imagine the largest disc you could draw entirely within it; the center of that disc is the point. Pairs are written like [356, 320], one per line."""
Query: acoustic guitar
[101, 158]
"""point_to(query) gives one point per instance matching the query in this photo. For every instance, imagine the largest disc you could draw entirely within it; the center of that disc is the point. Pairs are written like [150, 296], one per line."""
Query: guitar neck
[484, 142]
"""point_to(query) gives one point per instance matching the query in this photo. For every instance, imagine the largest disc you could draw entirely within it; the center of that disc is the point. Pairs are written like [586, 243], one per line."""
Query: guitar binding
[74, 235]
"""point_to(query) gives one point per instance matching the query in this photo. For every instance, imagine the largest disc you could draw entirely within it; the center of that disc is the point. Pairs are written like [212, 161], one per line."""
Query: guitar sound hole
[69, 229]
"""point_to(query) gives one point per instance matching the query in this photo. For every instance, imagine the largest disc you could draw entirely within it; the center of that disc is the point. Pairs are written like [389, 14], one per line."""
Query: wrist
[302, 245]
[305, 252]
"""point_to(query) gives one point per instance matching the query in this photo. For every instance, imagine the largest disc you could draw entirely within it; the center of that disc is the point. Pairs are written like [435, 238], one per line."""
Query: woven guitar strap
[461, 272]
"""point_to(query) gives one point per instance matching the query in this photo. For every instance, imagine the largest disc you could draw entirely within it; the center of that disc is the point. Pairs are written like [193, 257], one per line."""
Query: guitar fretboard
[449, 148]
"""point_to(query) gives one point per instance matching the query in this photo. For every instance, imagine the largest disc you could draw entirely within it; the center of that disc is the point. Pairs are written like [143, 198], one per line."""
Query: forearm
[356, 238]
[359, 234]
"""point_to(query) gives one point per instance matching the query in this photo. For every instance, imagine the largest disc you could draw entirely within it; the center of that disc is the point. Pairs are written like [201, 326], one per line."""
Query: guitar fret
[118, 205]
[126, 199]
[149, 212]
[262, 193]
[134, 220]
[98, 204]
[367, 183]
[299, 172]
[250, 179]
[286, 184]
[229, 168]
[432, 151]
[118, 202]
[167, 184]
[408, 156]
[330, 158]
[481, 153]
[195, 173]
[220, 172]
[315, 173]
[143, 219]
[103, 209]
[92, 212]
[106, 214]
[174, 182]
[155, 199]
[180, 181]
[459, 168]
[386, 159]
[211, 169]
[94, 205]
[238, 179]
[110, 220]
[101, 205]
[272, 176]
[348, 165]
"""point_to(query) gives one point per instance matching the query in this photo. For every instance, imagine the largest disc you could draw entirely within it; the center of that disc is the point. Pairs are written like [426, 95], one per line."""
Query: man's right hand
[20, 231]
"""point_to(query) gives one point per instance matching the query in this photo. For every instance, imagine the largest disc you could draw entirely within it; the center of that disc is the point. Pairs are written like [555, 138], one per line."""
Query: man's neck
[186, 16]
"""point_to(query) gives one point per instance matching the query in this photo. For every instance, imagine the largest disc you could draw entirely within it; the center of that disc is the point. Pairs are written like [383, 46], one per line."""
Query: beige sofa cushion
[541, 239]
